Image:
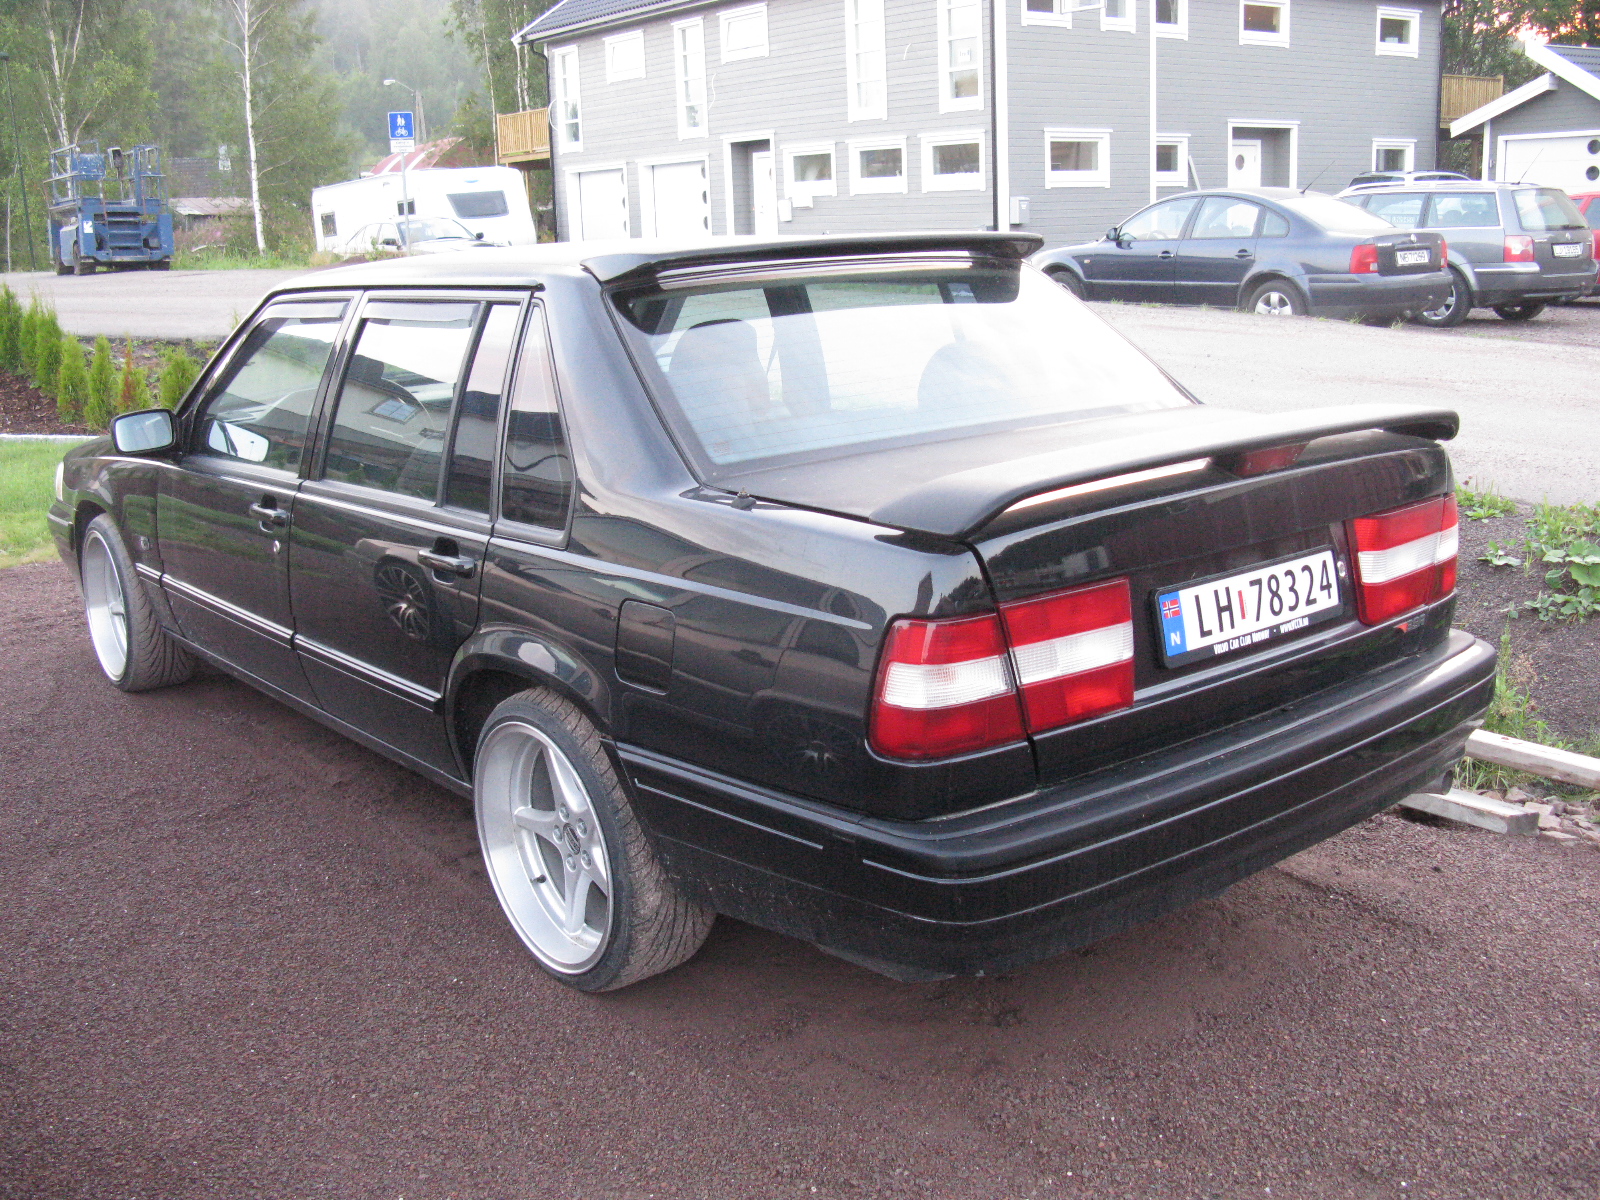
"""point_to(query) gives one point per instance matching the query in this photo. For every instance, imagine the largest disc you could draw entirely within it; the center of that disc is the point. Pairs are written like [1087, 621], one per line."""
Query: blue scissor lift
[108, 210]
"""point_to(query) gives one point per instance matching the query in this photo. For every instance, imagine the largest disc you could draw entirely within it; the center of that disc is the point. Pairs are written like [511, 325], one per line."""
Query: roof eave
[1515, 98]
[531, 33]
[1565, 68]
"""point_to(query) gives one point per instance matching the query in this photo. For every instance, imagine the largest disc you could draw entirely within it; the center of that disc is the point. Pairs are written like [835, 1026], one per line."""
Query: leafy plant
[1567, 538]
[178, 373]
[47, 353]
[133, 390]
[103, 376]
[10, 331]
[1480, 506]
[28, 339]
[72, 386]
[1497, 555]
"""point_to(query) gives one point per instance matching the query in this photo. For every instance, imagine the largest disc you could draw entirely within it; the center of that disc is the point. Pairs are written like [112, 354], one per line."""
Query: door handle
[451, 563]
[269, 514]
[1166, 254]
[1243, 254]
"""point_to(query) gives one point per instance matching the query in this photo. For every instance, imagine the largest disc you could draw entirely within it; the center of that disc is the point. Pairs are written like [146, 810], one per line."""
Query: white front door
[1244, 164]
[763, 194]
[682, 202]
[602, 204]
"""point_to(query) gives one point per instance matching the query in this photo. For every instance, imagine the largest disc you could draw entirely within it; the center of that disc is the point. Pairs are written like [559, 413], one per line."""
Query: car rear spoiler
[959, 504]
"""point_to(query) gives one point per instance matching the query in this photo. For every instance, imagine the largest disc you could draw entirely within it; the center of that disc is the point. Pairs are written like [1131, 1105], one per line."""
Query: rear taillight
[949, 687]
[1073, 653]
[1519, 248]
[1444, 252]
[1364, 259]
[1405, 558]
[1595, 251]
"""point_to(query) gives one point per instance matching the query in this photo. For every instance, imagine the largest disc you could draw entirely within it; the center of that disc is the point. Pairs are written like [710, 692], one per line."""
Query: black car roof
[612, 260]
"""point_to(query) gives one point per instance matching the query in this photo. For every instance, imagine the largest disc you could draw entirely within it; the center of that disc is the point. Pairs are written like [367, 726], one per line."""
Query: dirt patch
[25, 409]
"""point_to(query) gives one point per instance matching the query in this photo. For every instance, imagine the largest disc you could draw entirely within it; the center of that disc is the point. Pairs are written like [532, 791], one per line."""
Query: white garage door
[682, 199]
[1570, 161]
[602, 204]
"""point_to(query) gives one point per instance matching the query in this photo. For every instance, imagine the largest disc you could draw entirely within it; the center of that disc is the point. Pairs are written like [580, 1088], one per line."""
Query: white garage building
[1548, 130]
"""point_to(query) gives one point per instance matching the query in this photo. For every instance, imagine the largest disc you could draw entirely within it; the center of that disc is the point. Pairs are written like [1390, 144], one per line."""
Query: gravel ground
[242, 957]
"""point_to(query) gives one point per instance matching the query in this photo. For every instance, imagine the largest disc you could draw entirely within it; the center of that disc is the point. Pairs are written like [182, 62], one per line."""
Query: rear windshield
[1335, 216]
[470, 205]
[812, 364]
[1540, 210]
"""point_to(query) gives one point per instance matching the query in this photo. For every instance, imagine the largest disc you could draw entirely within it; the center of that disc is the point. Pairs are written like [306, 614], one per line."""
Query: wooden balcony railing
[524, 136]
[1460, 94]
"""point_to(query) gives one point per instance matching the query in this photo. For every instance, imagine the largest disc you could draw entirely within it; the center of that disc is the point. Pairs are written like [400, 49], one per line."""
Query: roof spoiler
[611, 268]
[959, 504]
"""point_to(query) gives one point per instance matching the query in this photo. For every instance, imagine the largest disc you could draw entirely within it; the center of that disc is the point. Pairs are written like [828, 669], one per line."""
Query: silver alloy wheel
[1274, 304]
[543, 847]
[105, 605]
[1443, 311]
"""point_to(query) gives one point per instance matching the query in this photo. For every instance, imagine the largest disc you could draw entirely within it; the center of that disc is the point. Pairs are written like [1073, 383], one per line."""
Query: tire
[1069, 280]
[63, 268]
[82, 266]
[164, 265]
[1275, 298]
[557, 831]
[1519, 312]
[1454, 310]
[134, 651]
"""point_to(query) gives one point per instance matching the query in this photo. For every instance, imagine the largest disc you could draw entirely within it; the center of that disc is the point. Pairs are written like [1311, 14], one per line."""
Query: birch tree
[245, 23]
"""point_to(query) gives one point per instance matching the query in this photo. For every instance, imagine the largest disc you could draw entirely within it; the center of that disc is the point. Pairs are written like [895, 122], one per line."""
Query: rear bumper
[1342, 296]
[1515, 283]
[1068, 865]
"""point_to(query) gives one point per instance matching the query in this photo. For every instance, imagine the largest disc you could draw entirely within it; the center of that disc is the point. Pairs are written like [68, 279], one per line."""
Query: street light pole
[22, 180]
[416, 96]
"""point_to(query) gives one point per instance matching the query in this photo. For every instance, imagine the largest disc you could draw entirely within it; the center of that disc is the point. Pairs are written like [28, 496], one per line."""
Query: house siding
[1565, 110]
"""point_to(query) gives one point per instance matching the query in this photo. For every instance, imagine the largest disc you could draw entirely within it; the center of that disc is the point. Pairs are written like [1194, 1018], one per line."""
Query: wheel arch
[86, 511]
[1272, 275]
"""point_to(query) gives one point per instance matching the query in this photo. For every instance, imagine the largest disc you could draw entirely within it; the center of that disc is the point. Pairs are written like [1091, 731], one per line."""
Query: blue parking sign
[401, 125]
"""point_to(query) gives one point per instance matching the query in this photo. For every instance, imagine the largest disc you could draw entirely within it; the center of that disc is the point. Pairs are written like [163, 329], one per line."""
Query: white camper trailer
[488, 200]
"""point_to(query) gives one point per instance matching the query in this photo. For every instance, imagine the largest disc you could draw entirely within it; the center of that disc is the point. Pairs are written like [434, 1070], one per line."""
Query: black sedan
[1275, 251]
[871, 590]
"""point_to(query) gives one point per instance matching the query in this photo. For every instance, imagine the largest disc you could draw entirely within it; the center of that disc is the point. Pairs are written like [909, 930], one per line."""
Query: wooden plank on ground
[1545, 761]
[1483, 811]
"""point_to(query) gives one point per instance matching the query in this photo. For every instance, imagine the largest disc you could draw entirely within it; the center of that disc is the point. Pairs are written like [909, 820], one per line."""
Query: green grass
[27, 485]
[221, 260]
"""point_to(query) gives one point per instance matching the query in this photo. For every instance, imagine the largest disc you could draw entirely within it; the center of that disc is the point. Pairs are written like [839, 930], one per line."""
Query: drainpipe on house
[1153, 131]
[999, 129]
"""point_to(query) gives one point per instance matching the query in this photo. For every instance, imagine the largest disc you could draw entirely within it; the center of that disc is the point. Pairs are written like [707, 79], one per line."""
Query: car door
[224, 515]
[390, 531]
[1139, 265]
[1218, 251]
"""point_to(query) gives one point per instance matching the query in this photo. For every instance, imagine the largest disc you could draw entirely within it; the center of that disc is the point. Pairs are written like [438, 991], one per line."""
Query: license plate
[1567, 249]
[1233, 612]
[1411, 258]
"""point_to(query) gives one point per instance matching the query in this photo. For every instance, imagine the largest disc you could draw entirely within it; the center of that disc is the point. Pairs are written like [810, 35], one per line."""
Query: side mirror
[478, 237]
[1114, 234]
[389, 242]
[147, 432]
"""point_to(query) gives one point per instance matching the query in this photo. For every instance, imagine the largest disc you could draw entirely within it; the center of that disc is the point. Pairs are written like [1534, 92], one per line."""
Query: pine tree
[72, 388]
[10, 331]
[178, 373]
[47, 353]
[28, 340]
[103, 377]
[133, 390]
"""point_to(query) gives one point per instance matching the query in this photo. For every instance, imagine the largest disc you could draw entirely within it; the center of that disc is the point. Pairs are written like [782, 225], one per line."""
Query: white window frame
[948, 103]
[854, 51]
[1408, 49]
[1100, 177]
[613, 44]
[1409, 145]
[737, 14]
[877, 187]
[1251, 38]
[682, 77]
[1178, 28]
[567, 89]
[1180, 177]
[1060, 14]
[953, 183]
[1128, 22]
[804, 191]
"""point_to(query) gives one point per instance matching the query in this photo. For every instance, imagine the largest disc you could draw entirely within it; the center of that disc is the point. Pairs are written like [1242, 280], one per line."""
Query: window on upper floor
[1077, 158]
[625, 56]
[744, 33]
[960, 53]
[1172, 18]
[1048, 12]
[811, 172]
[1172, 160]
[877, 166]
[564, 91]
[1394, 154]
[1120, 15]
[1264, 22]
[1397, 31]
[952, 162]
[689, 64]
[868, 98]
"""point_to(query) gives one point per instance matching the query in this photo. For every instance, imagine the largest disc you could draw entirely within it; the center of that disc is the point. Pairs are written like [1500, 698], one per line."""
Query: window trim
[1251, 38]
[1060, 15]
[1409, 49]
[1101, 177]
[1178, 29]
[1180, 177]
[610, 44]
[948, 103]
[855, 111]
[928, 142]
[802, 193]
[560, 78]
[680, 79]
[533, 312]
[878, 187]
[1409, 145]
[734, 14]
[1127, 23]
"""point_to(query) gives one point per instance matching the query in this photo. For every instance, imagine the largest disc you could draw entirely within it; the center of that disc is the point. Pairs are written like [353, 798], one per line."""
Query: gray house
[1548, 130]
[673, 117]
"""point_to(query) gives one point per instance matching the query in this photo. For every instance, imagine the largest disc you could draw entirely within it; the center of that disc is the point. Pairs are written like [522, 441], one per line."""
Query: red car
[1589, 205]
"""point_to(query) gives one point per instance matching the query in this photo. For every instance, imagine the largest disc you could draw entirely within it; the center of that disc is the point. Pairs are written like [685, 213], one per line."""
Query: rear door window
[1401, 209]
[1224, 217]
[1541, 210]
[536, 476]
[1463, 210]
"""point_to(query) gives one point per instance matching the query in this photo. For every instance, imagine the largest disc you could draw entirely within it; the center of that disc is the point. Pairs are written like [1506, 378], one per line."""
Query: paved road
[1527, 394]
[242, 957]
